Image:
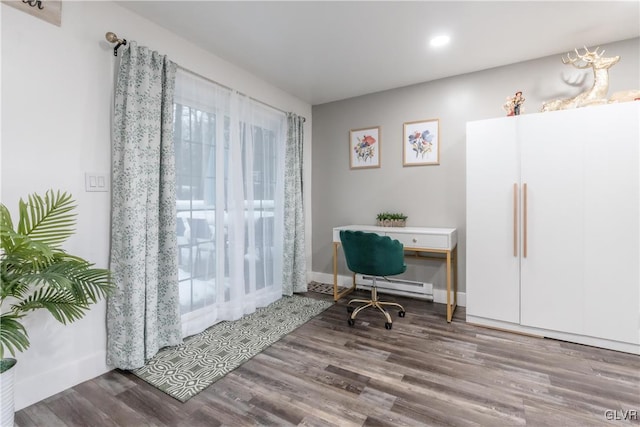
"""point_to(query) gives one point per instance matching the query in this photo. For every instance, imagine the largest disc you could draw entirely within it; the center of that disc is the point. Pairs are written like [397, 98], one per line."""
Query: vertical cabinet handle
[515, 219]
[524, 220]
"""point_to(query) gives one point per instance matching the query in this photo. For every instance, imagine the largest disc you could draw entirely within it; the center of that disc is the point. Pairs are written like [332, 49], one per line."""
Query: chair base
[374, 302]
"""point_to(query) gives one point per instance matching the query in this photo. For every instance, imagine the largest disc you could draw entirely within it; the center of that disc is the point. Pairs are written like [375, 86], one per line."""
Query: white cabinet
[553, 214]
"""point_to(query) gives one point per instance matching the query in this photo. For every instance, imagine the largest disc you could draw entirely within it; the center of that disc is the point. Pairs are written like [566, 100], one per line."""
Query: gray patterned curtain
[144, 313]
[294, 266]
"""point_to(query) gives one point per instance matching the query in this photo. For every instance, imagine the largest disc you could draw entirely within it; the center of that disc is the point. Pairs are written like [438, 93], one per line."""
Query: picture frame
[421, 143]
[364, 148]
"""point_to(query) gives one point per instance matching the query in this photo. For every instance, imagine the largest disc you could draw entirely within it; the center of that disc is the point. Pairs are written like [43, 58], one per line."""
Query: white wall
[57, 87]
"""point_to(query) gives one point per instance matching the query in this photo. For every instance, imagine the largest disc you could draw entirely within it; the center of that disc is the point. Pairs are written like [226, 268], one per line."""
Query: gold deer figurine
[598, 93]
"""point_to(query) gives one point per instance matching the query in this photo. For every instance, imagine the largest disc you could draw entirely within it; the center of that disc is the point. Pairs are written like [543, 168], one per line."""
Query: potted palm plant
[36, 273]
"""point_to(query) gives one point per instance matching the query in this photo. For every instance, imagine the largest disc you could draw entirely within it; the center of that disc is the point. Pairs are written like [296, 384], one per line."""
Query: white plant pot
[6, 394]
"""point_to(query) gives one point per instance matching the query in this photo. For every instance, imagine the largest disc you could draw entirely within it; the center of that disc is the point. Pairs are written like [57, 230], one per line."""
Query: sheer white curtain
[230, 185]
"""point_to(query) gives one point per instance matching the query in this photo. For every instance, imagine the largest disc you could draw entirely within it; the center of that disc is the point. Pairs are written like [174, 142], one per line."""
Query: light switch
[96, 181]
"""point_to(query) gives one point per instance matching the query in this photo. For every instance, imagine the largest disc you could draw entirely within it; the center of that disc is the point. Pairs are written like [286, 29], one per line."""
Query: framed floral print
[364, 148]
[421, 143]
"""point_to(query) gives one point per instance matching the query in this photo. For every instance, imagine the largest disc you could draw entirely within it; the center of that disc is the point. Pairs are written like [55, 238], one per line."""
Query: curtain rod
[112, 38]
[230, 88]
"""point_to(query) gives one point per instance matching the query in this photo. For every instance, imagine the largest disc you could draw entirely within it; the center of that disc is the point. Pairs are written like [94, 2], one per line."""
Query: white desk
[414, 239]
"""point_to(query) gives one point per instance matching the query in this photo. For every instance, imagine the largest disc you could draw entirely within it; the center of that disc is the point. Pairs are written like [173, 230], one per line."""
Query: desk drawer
[429, 241]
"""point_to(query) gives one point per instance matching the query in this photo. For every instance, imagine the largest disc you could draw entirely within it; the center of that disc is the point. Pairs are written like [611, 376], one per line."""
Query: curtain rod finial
[111, 37]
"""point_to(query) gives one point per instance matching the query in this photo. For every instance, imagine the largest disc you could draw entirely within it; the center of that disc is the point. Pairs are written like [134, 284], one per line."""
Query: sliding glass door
[229, 157]
[195, 145]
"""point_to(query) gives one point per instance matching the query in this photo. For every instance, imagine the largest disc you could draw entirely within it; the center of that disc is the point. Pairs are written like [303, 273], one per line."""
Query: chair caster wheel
[388, 325]
[351, 322]
[401, 313]
[350, 309]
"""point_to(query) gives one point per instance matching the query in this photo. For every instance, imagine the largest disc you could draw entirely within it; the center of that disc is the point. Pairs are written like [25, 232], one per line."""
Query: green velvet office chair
[373, 255]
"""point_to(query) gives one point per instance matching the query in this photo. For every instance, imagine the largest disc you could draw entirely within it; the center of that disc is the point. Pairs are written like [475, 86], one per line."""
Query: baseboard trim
[33, 389]
[439, 295]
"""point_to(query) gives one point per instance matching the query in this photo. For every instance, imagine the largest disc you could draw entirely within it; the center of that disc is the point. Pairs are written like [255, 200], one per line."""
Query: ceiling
[322, 51]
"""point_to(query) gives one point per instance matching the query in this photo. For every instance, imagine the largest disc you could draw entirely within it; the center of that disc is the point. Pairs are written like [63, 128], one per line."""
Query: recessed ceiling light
[439, 41]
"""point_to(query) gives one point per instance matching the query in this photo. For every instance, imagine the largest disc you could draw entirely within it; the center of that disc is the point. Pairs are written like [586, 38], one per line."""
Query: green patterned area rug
[185, 370]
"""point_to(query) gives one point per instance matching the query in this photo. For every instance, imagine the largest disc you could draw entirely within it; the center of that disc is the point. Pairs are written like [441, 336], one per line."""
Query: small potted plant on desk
[387, 219]
[36, 273]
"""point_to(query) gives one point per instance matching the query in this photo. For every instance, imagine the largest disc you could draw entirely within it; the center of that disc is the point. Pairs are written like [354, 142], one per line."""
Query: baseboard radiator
[397, 286]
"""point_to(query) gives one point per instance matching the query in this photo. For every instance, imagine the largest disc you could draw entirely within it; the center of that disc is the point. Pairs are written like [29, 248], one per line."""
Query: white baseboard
[33, 389]
[439, 295]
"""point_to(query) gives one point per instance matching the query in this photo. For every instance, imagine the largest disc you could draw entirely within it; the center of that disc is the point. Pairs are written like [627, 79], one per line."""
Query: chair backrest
[200, 229]
[264, 231]
[370, 253]
[180, 227]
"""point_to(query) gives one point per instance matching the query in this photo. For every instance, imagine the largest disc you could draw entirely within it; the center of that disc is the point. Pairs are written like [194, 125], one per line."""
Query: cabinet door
[492, 266]
[611, 223]
[581, 272]
[552, 264]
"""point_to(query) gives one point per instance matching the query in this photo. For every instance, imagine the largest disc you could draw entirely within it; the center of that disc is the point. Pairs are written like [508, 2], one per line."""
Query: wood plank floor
[422, 372]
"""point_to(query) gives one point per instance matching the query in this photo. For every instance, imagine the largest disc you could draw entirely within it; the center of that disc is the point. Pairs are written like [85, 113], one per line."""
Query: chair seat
[374, 255]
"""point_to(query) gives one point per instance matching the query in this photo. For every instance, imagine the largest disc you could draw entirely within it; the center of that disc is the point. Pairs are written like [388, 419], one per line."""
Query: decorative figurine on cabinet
[597, 95]
[513, 106]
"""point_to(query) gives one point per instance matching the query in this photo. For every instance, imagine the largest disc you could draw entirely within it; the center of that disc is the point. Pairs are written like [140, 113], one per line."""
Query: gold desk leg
[335, 271]
[451, 261]
[449, 311]
[336, 295]
[455, 278]
[449, 308]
